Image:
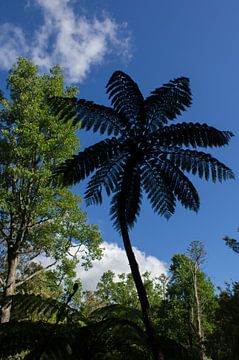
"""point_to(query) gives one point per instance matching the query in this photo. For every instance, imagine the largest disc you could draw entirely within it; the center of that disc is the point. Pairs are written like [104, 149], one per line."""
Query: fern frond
[232, 243]
[72, 341]
[91, 116]
[63, 107]
[30, 307]
[85, 162]
[167, 102]
[177, 183]
[200, 163]
[162, 200]
[99, 118]
[16, 337]
[117, 311]
[126, 97]
[107, 177]
[125, 204]
[190, 134]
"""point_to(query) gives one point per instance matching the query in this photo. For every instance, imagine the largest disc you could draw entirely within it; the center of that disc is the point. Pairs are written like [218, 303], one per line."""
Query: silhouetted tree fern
[143, 152]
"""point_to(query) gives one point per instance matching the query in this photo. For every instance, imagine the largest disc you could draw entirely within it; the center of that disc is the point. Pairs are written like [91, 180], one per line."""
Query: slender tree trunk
[10, 284]
[198, 316]
[142, 294]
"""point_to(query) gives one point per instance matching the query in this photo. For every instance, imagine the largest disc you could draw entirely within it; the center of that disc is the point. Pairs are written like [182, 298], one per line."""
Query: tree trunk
[142, 294]
[10, 284]
[198, 316]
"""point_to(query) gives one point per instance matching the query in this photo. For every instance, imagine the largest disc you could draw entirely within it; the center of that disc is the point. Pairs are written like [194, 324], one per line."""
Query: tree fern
[145, 153]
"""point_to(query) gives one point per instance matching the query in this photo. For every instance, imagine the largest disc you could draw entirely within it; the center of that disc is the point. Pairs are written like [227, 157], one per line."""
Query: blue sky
[153, 42]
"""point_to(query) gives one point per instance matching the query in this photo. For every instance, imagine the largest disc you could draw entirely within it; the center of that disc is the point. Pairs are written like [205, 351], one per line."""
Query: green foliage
[111, 332]
[177, 314]
[30, 307]
[223, 342]
[112, 289]
[37, 216]
[121, 292]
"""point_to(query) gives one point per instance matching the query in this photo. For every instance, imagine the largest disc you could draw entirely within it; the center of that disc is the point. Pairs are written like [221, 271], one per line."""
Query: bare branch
[39, 222]
[2, 282]
[34, 274]
[34, 256]
[4, 235]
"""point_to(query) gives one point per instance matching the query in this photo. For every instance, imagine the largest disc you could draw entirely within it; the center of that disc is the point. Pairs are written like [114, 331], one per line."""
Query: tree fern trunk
[142, 294]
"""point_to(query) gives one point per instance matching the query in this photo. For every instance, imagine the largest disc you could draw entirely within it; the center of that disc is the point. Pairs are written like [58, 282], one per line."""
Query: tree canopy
[36, 215]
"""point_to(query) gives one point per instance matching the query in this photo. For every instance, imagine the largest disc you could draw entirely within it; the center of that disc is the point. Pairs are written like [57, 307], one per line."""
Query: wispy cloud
[12, 44]
[75, 42]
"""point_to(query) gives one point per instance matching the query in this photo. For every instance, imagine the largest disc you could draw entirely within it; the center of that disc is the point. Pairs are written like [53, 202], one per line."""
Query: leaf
[190, 134]
[81, 165]
[107, 176]
[200, 163]
[177, 183]
[167, 102]
[125, 204]
[126, 98]
[161, 199]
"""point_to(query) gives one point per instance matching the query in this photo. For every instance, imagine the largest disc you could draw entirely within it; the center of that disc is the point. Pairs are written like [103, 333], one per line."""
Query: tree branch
[38, 222]
[3, 234]
[2, 282]
[34, 274]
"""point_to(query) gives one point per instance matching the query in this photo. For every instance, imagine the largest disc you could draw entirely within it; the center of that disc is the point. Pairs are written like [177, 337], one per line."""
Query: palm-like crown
[143, 151]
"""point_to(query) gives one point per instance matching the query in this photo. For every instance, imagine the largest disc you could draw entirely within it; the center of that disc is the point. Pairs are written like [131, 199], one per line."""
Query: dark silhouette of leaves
[190, 134]
[108, 177]
[126, 97]
[87, 161]
[126, 201]
[167, 102]
[200, 163]
[145, 152]
[107, 331]
[232, 244]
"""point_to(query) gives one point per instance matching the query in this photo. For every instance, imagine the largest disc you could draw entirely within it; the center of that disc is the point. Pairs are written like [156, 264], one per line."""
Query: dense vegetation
[45, 313]
[107, 323]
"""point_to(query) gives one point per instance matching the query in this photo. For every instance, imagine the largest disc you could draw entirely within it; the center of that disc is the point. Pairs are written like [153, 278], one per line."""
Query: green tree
[112, 289]
[187, 315]
[37, 216]
[223, 343]
[50, 283]
[143, 153]
[121, 290]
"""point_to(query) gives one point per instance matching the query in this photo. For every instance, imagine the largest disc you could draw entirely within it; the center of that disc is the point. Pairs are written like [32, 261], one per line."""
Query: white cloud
[115, 259]
[73, 41]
